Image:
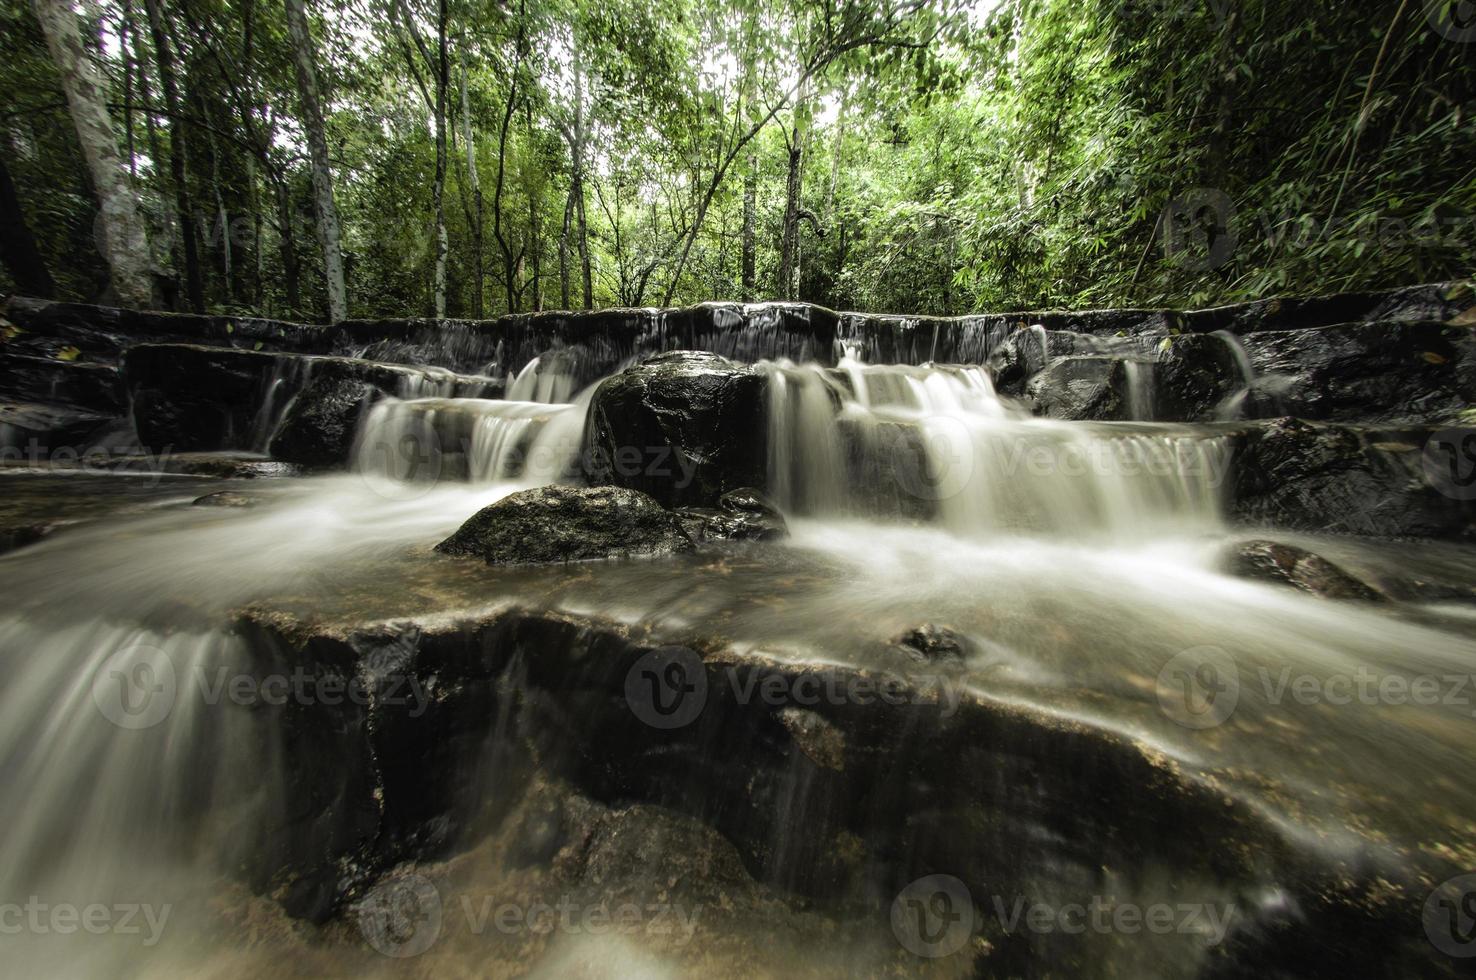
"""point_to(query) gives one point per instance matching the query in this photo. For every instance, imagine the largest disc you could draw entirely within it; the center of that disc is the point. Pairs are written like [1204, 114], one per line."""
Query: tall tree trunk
[125, 236]
[194, 277]
[312, 124]
[564, 249]
[535, 235]
[475, 183]
[18, 246]
[291, 264]
[443, 78]
[750, 221]
[789, 242]
[585, 267]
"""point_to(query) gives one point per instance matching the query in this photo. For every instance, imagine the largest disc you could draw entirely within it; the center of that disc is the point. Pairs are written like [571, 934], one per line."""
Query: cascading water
[1073, 560]
[951, 448]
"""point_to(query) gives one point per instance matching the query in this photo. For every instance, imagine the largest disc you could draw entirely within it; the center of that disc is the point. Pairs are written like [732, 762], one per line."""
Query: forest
[326, 159]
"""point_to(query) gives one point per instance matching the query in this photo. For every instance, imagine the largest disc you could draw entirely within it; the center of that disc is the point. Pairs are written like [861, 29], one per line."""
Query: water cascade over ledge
[1033, 635]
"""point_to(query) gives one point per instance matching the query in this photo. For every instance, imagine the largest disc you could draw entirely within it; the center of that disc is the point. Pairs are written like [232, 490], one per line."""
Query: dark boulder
[1305, 476]
[319, 426]
[83, 385]
[27, 429]
[194, 398]
[1080, 388]
[1364, 372]
[562, 524]
[102, 333]
[935, 645]
[1298, 568]
[227, 498]
[684, 427]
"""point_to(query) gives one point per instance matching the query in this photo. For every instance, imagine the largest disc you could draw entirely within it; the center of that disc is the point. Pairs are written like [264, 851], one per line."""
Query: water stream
[1078, 559]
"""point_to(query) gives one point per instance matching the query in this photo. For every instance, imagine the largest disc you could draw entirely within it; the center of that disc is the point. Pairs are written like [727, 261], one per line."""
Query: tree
[311, 104]
[124, 235]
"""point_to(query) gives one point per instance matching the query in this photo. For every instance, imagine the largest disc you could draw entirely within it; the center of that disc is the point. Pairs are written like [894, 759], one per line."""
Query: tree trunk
[125, 236]
[564, 249]
[535, 243]
[475, 183]
[750, 220]
[194, 277]
[291, 265]
[789, 242]
[443, 78]
[17, 245]
[312, 124]
[584, 263]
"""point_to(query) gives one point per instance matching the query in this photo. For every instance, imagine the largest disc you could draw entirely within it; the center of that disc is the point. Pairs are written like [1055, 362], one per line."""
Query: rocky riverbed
[775, 640]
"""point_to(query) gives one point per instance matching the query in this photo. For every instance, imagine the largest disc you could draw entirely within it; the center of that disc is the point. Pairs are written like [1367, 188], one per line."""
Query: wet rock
[81, 385]
[194, 398]
[1288, 565]
[1080, 388]
[13, 536]
[228, 498]
[1432, 301]
[229, 466]
[1364, 372]
[710, 524]
[318, 428]
[27, 427]
[1196, 378]
[935, 645]
[684, 427]
[1300, 475]
[741, 515]
[103, 333]
[562, 524]
[1026, 352]
[820, 741]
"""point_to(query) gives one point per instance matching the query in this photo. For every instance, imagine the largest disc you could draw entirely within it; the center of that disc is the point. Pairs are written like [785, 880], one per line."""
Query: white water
[940, 441]
[1079, 557]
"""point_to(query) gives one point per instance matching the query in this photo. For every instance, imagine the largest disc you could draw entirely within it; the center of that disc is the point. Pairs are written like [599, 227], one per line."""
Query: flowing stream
[1079, 560]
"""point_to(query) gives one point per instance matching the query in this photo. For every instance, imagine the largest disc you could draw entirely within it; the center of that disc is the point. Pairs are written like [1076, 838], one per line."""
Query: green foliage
[1047, 153]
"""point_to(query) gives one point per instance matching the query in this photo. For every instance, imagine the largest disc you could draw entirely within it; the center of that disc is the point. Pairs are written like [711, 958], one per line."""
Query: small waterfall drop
[948, 448]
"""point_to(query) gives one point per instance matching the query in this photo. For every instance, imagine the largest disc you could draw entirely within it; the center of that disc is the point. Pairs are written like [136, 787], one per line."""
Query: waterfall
[947, 447]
